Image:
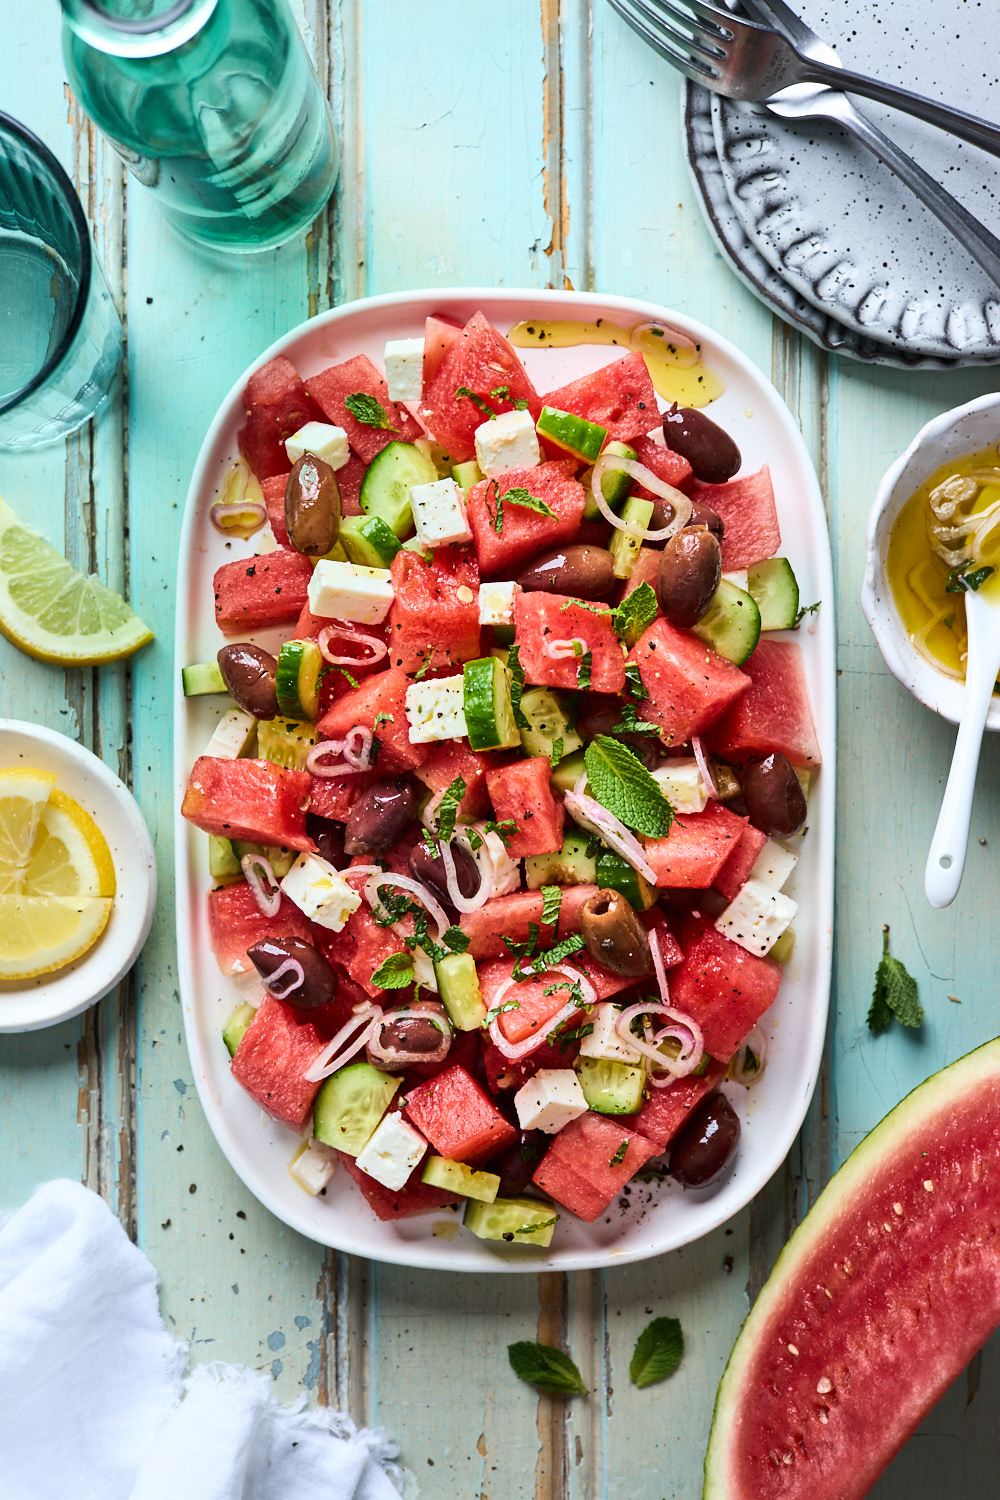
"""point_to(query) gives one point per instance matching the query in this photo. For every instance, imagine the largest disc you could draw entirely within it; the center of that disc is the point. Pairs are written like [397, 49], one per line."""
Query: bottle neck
[137, 28]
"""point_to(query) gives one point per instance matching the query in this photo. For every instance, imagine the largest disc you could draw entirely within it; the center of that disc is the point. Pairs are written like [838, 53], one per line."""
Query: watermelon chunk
[505, 1073]
[458, 1118]
[577, 1169]
[259, 593]
[235, 921]
[451, 758]
[360, 948]
[349, 481]
[696, 848]
[541, 617]
[689, 684]
[510, 916]
[274, 499]
[383, 693]
[440, 333]
[736, 870]
[359, 376]
[524, 532]
[646, 570]
[334, 796]
[665, 1111]
[748, 513]
[522, 791]
[664, 462]
[725, 989]
[415, 1197]
[249, 799]
[276, 405]
[619, 396]
[433, 622]
[480, 360]
[534, 1007]
[275, 1051]
[774, 713]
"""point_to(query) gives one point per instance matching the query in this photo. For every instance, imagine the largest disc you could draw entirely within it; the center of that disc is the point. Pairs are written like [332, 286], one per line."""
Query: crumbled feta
[392, 1151]
[550, 1100]
[404, 369]
[496, 603]
[439, 513]
[757, 917]
[773, 865]
[347, 591]
[680, 782]
[604, 1040]
[436, 710]
[423, 970]
[232, 735]
[320, 892]
[322, 440]
[313, 1166]
[507, 442]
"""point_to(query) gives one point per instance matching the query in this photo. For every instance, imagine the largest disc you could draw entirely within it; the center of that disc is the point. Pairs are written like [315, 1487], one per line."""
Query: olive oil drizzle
[673, 360]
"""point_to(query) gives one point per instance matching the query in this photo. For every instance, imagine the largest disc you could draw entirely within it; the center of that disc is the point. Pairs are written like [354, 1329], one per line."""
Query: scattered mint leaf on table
[368, 410]
[546, 1367]
[620, 782]
[895, 993]
[658, 1351]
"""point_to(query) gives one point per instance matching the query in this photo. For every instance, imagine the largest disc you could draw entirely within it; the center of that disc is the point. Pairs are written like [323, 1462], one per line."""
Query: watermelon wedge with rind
[878, 1301]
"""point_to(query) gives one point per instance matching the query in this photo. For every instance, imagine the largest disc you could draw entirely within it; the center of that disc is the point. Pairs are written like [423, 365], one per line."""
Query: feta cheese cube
[757, 917]
[404, 369]
[550, 1100]
[321, 439]
[313, 1166]
[496, 603]
[232, 735]
[347, 591]
[320, 892]
[773, 865]
[439, 513]
[392, 1151]
[604, 1040]
[436, 710]
[507, 442]
[680, 782]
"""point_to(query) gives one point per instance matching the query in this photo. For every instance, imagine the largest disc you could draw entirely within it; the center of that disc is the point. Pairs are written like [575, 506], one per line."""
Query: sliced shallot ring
[223, 508]
[678, 1067]
[344, 631]
[658, 965]
[672, 338]
[386, 877]
[596, 819]
[703, 767]
[608, 463]
[400, 1055]
[561, 650]
[515, 1050]
[358, 747]
[290, 966]
[756, 1044]
[330, 1059]
[458, 901]
[257, 870]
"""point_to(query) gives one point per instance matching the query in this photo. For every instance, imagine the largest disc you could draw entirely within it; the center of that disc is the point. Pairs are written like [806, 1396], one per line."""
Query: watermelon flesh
[583, 1170]
[541, 618]
[249, 799]
[773, 713]
[458, 1118]
[524, 532]
[433, 622]
[358, 376]
[689, 684]
[276, 1049]
[749, 517]
[259, 593]
[697, 847]
[235, 922]
[480, 360]
[619, 396]
[415, 1197]
[522, 792]
[880, 1298]
[276, 405]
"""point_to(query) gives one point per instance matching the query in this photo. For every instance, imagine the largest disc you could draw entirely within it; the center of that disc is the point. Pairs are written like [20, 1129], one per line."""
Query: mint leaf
[551, 904]
[554, 955]
[658, 1351]
[635, 614]
[448, 807]
[503, 830]
[619, 1155]
[620, 782]
[499, 392]
[495, 516]
[368, 410]
[394, 973]
[546, 1367]
[351, 679]
[963, 581]
[634, 685]
[457, 940]
[520, 496]
[583, 671]
[516, 686]
[556, 753]
[595, 609]
[630, 723]
[895, 993]
[520, 404]
[484, 406]
[809, 609]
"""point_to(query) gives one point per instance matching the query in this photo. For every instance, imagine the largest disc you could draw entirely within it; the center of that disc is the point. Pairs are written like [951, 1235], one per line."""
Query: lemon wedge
[23, 794]
[53, 612]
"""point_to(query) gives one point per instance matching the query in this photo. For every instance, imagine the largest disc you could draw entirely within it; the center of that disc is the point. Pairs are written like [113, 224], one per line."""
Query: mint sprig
[658, 1351]
[516, 685]
[620, 782]
[368, 410]
[635, 614]
[395, 972]
[895, 993]
[584, 670]
[546, 1367]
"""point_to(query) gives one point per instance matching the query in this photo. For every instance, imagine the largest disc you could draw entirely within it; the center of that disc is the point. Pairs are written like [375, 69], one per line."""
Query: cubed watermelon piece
[646, 570]
[334, 796]
[359, 376]
[522, 791]
[381, 694]
[774, 713]
[433, 622]
[451, 758]
[258, 593]
[440, 333]
[748, 513]
[696, 848]
[665, 1111]
[724, 988]
[541, 618]
[249, 799]
[349, 481]
[505, 1073]
[525, 532]
[670, 949]
[735, 871]
[360, 948]
[458, 1117]
[511, 916]
[533, 1006]
[664, 462]
[415, 1197]
[276, 405]
[618, 396]
[689, 684]
[235, 921]
[276, 1049]
[583, 1170]
[274, 500]
[480, 360]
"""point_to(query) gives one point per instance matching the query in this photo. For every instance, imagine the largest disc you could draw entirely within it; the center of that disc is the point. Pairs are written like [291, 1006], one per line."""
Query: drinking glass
[60, 335]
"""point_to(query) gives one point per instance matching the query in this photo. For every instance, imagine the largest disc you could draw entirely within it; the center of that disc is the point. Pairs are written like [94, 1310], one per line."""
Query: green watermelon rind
[928, 1100]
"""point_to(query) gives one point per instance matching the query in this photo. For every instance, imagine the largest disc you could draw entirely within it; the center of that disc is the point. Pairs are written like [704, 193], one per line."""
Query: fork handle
[955, 121]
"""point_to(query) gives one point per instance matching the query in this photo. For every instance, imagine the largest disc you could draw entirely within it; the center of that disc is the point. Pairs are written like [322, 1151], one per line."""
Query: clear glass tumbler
[214, 106]
[60, 335]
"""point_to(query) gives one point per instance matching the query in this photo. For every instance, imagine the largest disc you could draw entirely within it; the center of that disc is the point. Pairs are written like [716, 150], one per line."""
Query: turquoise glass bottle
[214, 106]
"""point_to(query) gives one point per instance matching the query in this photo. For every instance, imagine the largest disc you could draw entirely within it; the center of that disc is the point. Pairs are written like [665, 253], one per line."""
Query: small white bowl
[28, 1005]
[964, 429]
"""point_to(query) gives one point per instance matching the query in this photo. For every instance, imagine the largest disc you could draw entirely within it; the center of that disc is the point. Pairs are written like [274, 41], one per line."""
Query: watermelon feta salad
[498, 831]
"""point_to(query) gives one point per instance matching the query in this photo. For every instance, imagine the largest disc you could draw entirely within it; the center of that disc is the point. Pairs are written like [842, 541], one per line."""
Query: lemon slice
[53, 612]
[70, 856]
[42, 933]
[23, 794]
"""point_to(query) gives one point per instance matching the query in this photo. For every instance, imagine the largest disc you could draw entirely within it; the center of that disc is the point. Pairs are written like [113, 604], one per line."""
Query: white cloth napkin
[93, 1399]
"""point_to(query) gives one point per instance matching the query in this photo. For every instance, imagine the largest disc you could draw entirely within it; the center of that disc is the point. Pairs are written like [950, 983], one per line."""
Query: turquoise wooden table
[533, 143]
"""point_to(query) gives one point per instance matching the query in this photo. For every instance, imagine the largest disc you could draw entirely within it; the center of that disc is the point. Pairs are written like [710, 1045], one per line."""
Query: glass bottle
[214, 106]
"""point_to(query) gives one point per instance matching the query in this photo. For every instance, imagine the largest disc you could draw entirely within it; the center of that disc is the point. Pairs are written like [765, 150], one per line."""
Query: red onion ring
[398, 1055]
[703, 768]
[257, 870]
[223, 508]
[515, 1050]
[358, 747]
[329, 1060]
[589, 813]
[290, 966]
[562, 650]
[678, 1067]
[608, 463]
[346, 632]
[458, 901]
[386, 877]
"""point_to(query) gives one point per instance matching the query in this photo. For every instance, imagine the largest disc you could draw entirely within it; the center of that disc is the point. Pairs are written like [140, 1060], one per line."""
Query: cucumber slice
[436, 455]
[456, 1177]
[223, 863]
[369, 541]
[623, 547]
[350, 1104]
[519, 1221]
[610, 1087]
[569, 770]
[782, 950]
[548, 721]
[279, 858]
[775, 590]
[570, 865]
[203, 677]
[489, 713]
[458, 990]
[467, 474]
[236, 1027]
[285, 742]
[731, 624]
[297, 679]
[385, 489]
[616, 874]
[616, 486]
[573, 434]
[726, 781]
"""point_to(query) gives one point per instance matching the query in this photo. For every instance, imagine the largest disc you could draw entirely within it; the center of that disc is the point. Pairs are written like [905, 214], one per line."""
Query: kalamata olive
[582, 571]
[516, 1164]
[712, 454]
[701, 515]
[690, 569]
[776, 803]
[319, 982]
[380, 817]
[249, 674]
[328, 837]
[706, 1142]
[409, 1034]
[429, 869]
[615, 936]
[312, 506]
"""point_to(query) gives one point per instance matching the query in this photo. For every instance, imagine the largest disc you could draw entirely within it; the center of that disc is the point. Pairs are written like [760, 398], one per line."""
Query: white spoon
[946, 859]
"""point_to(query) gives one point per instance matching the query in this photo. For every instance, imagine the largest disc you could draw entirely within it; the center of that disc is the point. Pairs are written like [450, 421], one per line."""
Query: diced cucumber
[731, 624]
[456, 1177]
[569, 770]
[616, 874]
[223, 863]
[236, 1027]
[548, 721]
[335, 554]
[385, 489]
[369, 541]
[489, 713]
[727, 783]
[570, 865]
[458, 991]
[297, 679]
[623, 547]
[436, 455]
[610, 1087]
[350, 1104]
[616, 486]
[280, 859]
[519, 1221]
[783, 948]
[285, 742]
[467, 474]
[203, 677]
[573, 434]
[805, 779]
[775, 590]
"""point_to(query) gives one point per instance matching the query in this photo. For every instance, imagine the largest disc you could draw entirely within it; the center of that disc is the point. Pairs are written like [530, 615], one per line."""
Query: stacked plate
[829, 237]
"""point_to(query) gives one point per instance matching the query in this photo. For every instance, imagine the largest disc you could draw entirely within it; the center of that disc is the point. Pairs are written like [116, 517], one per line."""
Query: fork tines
[690, 51]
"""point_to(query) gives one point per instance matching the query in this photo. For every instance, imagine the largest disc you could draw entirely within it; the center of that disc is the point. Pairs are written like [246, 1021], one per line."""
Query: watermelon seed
[848, 1268]
[793, 1351]
[828, 1293]
[897, 1208]
[887, 1228]
[787, 1458]
[928, 1186]
[824, 1386]
[824, 1418]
